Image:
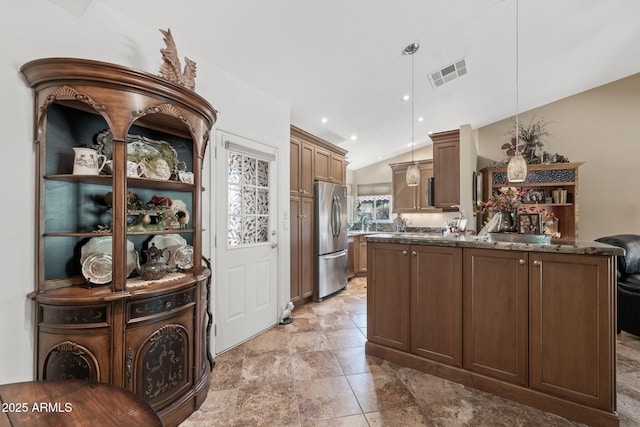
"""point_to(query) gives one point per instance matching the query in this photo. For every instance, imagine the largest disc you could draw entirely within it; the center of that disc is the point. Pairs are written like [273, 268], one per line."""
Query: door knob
[522, 261]
[414, 253]
[537, 263]
[404, 252]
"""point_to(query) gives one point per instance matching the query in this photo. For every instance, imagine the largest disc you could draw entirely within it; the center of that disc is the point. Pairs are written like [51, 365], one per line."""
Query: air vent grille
[448, 73]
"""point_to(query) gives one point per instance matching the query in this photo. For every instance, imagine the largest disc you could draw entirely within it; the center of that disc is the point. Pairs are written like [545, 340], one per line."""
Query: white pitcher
[87, 161]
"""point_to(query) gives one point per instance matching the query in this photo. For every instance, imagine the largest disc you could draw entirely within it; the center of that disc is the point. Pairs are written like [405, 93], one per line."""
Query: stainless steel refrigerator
[331, 239]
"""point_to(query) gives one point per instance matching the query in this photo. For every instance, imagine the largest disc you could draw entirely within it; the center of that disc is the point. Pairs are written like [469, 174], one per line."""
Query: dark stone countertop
[470, 241]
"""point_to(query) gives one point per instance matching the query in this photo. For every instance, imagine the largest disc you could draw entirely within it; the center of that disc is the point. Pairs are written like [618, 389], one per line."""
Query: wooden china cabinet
[99, 320]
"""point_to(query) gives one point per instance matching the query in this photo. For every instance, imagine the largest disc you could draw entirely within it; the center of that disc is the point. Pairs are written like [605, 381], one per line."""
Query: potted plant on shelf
[530, 140]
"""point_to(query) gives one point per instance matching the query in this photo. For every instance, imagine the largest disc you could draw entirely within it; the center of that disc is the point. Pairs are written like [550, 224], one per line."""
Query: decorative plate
[172, 242]
[97, 268]
[102, 244]
[158, 155]
[184, 257]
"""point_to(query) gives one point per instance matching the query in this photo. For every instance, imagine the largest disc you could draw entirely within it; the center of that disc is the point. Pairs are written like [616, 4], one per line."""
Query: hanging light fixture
[413, 173]
[517, 167]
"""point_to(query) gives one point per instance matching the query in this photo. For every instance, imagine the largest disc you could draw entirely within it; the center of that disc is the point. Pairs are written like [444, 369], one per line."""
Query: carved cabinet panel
[159, 358]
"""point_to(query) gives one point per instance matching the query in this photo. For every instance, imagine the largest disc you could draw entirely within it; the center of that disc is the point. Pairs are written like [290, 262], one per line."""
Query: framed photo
[534, 195]
[529, 223]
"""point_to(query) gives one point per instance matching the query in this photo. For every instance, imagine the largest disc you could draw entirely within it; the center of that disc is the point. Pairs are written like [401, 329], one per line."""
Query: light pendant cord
[517, 78]
[412, 113]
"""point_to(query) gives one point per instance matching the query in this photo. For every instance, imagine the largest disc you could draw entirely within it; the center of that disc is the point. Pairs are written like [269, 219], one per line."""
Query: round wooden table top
[73, 403]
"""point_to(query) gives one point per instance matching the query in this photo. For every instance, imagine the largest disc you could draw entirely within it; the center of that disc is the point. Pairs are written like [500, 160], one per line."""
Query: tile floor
[314, 372]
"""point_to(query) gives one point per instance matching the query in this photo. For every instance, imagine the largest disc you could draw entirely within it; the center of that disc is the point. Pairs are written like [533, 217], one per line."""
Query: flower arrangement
[507, 199]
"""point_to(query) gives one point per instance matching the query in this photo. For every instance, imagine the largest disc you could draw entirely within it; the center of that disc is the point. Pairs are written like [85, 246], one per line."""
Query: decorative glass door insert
[248, 200]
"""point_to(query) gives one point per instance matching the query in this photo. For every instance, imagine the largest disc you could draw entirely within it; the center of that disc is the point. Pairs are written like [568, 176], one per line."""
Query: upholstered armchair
[628, 288]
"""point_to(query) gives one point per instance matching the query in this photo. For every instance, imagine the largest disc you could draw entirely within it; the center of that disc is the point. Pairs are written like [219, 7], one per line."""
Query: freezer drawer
[332, 274]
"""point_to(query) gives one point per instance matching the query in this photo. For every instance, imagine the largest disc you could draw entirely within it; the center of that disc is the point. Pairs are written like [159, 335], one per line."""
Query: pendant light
[517, 167]
[413, 173]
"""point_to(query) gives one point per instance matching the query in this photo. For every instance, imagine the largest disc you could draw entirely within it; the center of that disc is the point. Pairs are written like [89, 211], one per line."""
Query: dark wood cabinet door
[572, 327]
[436, 303]
[152, 375]
[295, 184]
[337, 168]
[496, 310]
[306, 170]
[306, 247]
[322, 164]
[388, 293]
[301, 168]
[301, 286]
[446, 168]
[295, 214]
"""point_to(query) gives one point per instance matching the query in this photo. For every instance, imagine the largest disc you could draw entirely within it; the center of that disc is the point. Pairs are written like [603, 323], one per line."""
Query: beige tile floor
[314, 372]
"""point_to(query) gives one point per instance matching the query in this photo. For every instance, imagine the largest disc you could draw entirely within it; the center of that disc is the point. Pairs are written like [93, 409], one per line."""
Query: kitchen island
[534, 323]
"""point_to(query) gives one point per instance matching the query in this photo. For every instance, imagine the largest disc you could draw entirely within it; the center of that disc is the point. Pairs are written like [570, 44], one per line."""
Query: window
[248, 200]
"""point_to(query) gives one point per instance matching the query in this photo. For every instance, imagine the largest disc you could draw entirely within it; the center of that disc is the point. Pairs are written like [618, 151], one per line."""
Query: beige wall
[596, 127]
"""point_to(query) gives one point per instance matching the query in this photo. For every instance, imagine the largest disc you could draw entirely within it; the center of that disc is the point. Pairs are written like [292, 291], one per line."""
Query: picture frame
[534, 195]
[529, 223]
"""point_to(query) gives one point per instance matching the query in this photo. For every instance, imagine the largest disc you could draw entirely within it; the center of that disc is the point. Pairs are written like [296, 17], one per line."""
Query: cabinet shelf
[543, 179]
[148, 183]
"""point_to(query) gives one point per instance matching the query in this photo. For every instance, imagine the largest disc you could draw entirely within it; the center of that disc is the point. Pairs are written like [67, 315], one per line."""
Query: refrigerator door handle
[339, 216]
[339, 255]
[335, 217]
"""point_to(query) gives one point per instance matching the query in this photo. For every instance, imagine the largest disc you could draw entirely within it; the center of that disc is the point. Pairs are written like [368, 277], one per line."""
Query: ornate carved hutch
[150, 337]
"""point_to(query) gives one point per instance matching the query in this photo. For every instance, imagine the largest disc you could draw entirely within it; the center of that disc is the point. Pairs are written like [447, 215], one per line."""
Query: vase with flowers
[504, 202]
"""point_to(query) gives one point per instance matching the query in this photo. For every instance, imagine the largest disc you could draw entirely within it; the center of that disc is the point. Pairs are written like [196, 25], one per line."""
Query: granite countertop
[470, 241]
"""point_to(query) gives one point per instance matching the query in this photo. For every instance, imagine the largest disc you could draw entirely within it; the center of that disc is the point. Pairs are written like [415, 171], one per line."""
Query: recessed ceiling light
[420, 119]
[379, 157]
[411, 144]
[430, 132]
[323, 120]
[354, 137]
[406, 97]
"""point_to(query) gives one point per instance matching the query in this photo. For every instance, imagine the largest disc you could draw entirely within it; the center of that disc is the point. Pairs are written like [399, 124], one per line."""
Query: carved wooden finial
[171, 69]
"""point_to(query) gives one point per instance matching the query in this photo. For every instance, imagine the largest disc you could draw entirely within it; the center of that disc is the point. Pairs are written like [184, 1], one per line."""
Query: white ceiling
[342, 59]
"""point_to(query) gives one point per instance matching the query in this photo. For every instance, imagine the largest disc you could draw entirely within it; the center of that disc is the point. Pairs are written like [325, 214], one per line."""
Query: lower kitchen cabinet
[388, 295]
[301, 285]
[496, 307]
[572, 327]
[436, 303]
[537, 327]
[419, 289]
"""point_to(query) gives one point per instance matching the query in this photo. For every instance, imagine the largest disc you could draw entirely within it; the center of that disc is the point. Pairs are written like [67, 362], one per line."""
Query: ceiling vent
[448, 73]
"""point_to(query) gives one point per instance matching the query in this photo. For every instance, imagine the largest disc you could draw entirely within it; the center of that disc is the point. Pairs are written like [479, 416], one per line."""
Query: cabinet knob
[404, 252]
[168, 304]
[537, 263]
[522, 261]
[414, 253]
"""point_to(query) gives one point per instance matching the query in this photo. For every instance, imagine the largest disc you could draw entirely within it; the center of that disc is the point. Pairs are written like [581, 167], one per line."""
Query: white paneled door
[246, 259]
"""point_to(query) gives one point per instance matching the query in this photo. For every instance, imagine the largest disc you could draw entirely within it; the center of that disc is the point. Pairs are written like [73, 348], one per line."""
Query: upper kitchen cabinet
[412, 199]
[327, 163]
[301, 167]
[446, 168]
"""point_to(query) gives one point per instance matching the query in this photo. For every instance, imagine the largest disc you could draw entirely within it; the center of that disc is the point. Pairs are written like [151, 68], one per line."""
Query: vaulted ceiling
[342, 59]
